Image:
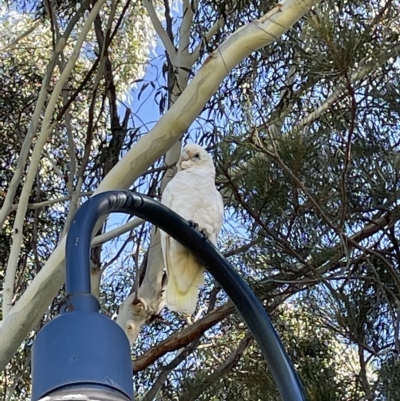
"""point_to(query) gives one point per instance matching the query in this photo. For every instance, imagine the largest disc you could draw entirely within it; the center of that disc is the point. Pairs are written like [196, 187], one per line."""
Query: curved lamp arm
[78, 275]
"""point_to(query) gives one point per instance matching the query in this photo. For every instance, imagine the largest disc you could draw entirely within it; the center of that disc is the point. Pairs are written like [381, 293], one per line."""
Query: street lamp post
[83, 355]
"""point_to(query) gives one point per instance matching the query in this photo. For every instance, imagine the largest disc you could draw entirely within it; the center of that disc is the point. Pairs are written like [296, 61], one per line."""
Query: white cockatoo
[193, 195]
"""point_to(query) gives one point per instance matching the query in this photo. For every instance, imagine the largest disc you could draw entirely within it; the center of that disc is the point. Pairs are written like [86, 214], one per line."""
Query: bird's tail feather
[183, 302]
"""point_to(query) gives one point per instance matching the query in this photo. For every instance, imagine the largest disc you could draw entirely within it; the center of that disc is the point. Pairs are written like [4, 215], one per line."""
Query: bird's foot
[193, 224]
[185, 318]
[204, 232]
[188, 319]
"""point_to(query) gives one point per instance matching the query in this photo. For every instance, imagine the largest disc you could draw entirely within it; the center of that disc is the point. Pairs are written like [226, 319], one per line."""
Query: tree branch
[41, 205]
[20, 37]
[361, 74]
[184, 337]
[185, 28]
[109, 235]
[208, 36]
[169, 47]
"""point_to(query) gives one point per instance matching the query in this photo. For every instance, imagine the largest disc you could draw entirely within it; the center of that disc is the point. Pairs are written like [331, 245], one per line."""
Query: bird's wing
[209, 211]
[185, 274]
[191, 194]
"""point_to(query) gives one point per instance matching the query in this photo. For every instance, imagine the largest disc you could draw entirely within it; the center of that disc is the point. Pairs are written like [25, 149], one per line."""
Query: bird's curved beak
[185, 156]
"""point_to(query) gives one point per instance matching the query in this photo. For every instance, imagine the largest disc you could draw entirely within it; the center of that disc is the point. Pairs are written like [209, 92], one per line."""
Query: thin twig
[221, 371]
[180, 357]
[41, 205]
[20, 37]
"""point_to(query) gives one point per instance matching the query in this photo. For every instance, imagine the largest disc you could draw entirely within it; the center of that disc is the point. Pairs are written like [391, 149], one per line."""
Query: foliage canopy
[305, 134]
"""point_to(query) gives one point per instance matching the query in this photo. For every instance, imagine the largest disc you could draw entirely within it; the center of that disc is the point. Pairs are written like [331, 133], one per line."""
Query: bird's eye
[197, 155]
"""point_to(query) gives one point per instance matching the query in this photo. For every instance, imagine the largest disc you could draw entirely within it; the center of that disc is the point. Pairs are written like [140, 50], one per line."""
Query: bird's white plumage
[193, 195]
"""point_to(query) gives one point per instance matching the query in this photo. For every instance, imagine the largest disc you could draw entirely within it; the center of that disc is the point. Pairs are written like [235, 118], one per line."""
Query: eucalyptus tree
[302, 116]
